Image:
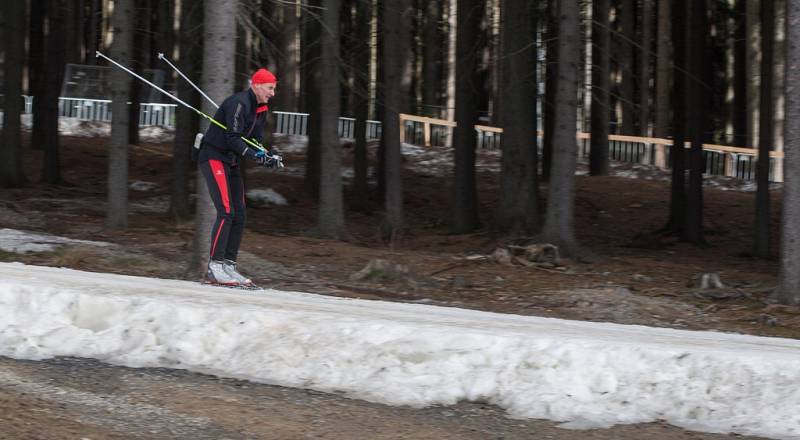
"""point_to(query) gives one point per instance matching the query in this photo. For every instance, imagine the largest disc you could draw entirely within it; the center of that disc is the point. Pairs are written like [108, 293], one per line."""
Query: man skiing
[244, 114]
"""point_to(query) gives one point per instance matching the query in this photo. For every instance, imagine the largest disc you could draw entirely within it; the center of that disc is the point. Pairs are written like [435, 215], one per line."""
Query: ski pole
[179, 101]
[162, 57]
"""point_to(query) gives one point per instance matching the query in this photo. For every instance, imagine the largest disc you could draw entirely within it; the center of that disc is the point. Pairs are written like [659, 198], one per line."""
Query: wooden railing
[721, 159]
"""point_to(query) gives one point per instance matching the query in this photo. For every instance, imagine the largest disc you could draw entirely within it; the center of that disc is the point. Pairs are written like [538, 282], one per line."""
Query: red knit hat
[263, 76]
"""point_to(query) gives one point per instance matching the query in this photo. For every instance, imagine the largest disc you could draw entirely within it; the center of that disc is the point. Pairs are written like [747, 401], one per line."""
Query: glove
[268, 160]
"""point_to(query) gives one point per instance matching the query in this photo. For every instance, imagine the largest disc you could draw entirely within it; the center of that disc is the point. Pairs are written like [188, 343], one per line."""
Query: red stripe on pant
[218, 170]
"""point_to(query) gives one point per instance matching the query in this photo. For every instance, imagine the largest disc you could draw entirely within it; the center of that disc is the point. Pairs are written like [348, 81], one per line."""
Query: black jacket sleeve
[235, 121]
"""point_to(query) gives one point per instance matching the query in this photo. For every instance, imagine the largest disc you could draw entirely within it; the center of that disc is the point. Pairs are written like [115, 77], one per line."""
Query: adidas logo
[219, 172]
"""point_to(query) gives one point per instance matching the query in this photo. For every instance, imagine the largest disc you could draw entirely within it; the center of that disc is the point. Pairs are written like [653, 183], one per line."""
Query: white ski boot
[218, 275]
[230, 269]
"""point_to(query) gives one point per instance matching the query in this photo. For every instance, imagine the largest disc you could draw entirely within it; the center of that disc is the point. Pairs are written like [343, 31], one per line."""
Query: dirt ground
[626, 279]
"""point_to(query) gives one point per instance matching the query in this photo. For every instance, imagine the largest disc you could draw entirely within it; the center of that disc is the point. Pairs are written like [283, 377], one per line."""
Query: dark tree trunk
[53, 71]
[644, 66]
[186, 121]
[12, 173]
[601, 74]
[740, 135]
[361, 64]
[698, 94]
[677, 207]
[663, 70]
[627, 62]
[36, 83]
[391, 24]
[141, 53]
[550, 85]
[465, 197]
[330, 222]
[431, 59]
[518, 206]
[406, 53]
[286, 97]
[93, 32]
[788, 291]
[71, 38]
[559, 226]
[311, 79]
[121, 50]
[761, 239]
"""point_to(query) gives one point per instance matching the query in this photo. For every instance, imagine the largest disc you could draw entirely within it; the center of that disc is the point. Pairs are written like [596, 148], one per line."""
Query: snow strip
[585, 374]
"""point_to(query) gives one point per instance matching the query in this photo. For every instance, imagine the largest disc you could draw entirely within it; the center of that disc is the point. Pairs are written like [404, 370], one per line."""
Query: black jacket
[238, 114]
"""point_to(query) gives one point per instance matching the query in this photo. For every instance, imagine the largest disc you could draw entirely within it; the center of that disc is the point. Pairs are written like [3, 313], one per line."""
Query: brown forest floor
[628, 280]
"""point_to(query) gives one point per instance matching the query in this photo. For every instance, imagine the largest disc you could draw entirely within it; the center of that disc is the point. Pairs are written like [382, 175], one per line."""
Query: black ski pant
[226, 187]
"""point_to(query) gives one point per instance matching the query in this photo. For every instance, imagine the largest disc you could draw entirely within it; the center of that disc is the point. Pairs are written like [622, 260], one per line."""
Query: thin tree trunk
[559, 226]
[219, 53]
[788, 291]
[311, 81]
[186, 121]
[289, 48]
[431, 59]
[753, 39]
[53, 72]
[761, 237]
[740, 126]
[391, 22]
[551, 83]
[663, 69]
[598, 153]
[628, 61]
[465, 197]
[12, 172]
[361, 65]
[698, 96]
[331, 209]
[121, 51]
[644, 67]
[518, 205]
[451, 61]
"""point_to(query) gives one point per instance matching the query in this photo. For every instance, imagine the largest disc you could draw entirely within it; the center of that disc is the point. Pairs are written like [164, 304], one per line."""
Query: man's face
[264, 91]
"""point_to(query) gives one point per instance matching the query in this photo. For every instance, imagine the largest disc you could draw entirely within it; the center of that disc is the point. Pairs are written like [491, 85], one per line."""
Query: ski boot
[217, 275]
[230, 269]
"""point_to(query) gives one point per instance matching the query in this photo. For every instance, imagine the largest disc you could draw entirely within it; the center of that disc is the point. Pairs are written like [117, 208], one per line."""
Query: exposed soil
[625, 279]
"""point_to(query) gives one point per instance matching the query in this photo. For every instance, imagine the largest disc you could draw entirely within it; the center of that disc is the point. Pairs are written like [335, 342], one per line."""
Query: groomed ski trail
[585, 374]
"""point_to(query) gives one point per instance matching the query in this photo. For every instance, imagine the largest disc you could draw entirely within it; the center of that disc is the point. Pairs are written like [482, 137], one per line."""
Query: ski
[206, 282]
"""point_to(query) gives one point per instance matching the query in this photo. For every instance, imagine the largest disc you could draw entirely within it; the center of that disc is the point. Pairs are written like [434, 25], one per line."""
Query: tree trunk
[753, 50]
[121, 51]
[391, 22]
[663, 70]
[788, 291]
[559, 222]
[289, 48]
[761, 238]
[598, 153]
[518, 205]
[677, 205]
[12, 172]
[550, 85]
[451, 62]
[740, 135]
[628, 61]
[406, 54]
[465, 198]
[698, 95]
[93, 31]
[186, 121]
[644, 67]
[311, 81]
[331, 212]
[361, 64]
[431, 59]
[219, 58]
[53, 72]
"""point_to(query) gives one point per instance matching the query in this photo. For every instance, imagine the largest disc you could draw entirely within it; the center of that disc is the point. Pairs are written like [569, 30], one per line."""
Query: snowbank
[585, 374]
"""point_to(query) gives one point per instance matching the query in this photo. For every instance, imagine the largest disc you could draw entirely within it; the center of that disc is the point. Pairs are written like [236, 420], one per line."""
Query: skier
[245, 115]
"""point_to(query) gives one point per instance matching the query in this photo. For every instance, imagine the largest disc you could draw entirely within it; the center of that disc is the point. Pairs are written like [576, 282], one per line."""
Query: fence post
[660, 156]
[402, 128]
[727, 167]
[426, 133]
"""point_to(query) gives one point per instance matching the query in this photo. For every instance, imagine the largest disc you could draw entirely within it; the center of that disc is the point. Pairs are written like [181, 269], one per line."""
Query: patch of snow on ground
[266, 197]
[584, 374]
[138, 185]
[13, 240]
